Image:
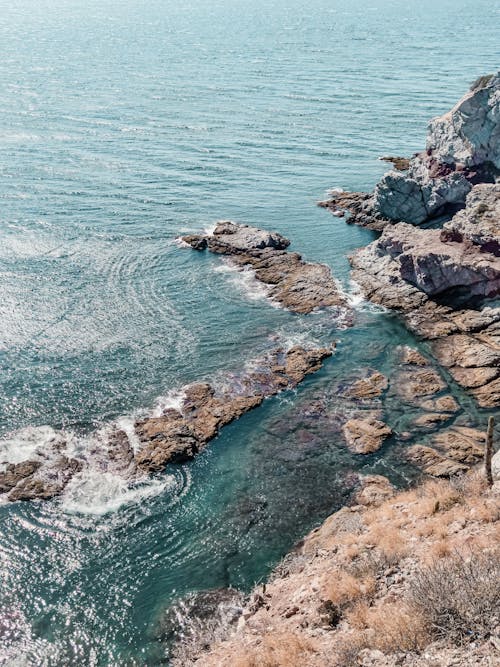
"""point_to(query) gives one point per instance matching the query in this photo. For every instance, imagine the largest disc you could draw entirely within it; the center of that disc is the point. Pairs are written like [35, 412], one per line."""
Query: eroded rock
[365, 435]
[370, 387]
[297, 285]
[178, 436]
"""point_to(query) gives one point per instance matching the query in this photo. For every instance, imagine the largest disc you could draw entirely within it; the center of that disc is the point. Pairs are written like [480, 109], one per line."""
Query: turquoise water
[123, 125]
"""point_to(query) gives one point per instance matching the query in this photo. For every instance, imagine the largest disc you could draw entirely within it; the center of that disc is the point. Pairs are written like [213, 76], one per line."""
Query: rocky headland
[409, 579]
[437, 259]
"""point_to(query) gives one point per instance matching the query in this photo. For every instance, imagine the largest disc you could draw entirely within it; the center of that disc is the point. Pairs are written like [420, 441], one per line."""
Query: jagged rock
[414, 384]
[409, 355]
[463, 149]
[370, 387]
[47, 481]
[431, 419]
[479, 221]
[365, 435]
[357, 208]
[488, 396]
[465, 351]
[435, 267]
[297, 285]
[15, 472]
[469, 134]
[178, 436]
[173, 437]
[465, 341]
[441, 404]
[460, 443]
[463, 146]
[434, 463]
[400, 163]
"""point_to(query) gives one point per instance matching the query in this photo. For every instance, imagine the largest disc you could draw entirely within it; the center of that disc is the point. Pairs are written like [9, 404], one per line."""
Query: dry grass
[388, 627]
[285, 649]
[390, 542]
[343, 589]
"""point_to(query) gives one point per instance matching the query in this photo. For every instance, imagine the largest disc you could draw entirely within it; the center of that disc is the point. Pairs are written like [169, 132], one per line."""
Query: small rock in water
[366, 435]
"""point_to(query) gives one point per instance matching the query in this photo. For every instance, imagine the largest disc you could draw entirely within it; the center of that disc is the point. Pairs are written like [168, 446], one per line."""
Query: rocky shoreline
[347, 594]
[442, 278]
[175, 436]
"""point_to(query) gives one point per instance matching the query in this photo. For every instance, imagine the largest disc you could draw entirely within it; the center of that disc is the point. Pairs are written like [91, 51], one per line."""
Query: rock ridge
[295, 284]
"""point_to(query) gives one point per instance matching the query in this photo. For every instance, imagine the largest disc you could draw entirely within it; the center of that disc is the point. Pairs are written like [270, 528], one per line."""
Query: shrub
[459, 596]
[481, 82]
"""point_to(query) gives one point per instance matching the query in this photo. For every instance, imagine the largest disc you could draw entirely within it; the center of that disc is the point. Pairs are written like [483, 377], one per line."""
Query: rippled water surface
[122, 125]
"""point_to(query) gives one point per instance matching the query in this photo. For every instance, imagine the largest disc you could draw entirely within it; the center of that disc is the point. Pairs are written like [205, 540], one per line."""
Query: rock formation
[365, 435]
[463, 149]
[173, 437]
[297, 285]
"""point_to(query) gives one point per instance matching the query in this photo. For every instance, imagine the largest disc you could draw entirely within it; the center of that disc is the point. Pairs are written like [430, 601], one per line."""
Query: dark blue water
[122, 125]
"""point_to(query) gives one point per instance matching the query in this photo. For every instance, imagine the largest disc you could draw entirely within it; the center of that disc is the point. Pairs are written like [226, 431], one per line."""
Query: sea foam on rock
[150, 444]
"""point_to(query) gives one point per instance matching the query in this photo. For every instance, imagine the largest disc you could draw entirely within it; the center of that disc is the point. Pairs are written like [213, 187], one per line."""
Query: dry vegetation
[412, 581]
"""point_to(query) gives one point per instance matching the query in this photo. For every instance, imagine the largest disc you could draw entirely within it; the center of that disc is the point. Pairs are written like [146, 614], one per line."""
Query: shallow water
[123, 125]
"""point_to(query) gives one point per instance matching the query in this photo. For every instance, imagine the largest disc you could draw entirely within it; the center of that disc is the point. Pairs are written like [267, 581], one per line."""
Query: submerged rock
[297, 285]
[370, 387]
[452, 451]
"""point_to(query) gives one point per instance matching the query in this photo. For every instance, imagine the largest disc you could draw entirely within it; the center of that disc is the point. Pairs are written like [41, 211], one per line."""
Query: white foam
[98, 493]
[172, 400]
[29, 443]
[358, 302]
[208, 231]
[126, 424]
[246, 283]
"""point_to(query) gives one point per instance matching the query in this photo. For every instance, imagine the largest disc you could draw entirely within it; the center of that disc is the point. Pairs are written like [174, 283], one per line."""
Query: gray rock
[480, 220]
[436, 266]
[470, 133]
[495, 466]
[297, 285]
[463, 148]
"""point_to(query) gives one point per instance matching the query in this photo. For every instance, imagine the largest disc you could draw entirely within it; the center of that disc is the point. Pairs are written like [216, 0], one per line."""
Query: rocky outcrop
[452, 451]
[479, 222]
[426, 277]
[462, 149]
[370, 387]
[365, 435]
[345, 595]
[178, 435]
[175, 436]
[295, 284]
[357, 208]
[440, 267]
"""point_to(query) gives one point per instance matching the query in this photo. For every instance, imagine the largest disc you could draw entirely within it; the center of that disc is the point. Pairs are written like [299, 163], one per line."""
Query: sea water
[124, 124]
